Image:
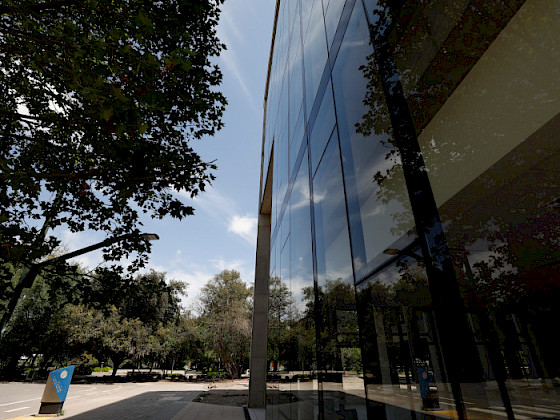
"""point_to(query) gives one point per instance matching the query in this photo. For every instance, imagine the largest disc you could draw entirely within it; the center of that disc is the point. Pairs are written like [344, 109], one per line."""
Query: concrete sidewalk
[151, 401]
[197, 411]
[192, 411]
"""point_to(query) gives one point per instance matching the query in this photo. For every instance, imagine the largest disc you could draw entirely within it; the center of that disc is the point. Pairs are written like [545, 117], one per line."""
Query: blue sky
[222, 233]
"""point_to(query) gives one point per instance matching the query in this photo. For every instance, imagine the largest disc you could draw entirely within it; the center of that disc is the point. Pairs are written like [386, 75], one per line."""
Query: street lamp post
[29, 273]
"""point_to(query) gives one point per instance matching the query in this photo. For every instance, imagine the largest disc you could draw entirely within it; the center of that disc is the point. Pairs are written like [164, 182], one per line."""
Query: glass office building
[408, 261]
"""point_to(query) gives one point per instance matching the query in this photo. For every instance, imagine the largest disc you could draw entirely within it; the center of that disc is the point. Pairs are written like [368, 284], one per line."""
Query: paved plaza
[124, 401]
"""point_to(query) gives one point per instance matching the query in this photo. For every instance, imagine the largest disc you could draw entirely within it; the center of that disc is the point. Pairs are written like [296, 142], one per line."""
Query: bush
[143, 376]
[176, 377]
[216, 374]
[85, 364]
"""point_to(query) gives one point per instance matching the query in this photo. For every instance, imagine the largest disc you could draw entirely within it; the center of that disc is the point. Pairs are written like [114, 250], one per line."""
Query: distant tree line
[122, 322]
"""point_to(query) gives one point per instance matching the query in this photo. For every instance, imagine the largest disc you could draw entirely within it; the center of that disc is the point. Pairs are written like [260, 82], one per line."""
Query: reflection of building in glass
[409, 222]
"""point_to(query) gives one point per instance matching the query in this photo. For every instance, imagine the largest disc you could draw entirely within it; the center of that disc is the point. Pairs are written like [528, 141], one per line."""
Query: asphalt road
[17, 399]
[164, 400]
[157, 400]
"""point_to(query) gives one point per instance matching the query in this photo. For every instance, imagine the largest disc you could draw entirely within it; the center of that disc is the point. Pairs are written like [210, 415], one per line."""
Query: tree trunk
[116, 363]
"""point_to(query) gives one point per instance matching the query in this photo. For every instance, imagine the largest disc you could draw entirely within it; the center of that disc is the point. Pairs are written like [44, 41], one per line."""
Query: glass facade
[411, 151]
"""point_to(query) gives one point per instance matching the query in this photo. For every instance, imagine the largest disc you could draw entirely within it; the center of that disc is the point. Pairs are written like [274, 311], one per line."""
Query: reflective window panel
[415, 252]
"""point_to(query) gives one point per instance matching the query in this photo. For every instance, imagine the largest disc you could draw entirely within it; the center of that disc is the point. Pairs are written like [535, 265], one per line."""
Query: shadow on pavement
[157, 405]
[229, 397]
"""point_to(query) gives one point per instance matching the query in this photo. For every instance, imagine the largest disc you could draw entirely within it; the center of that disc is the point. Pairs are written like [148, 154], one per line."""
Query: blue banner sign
[430, 400]
[424, 379]
[61, 379]
[56, 390]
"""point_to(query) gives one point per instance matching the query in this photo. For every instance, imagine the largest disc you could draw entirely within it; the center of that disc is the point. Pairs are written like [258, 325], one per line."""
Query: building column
[258, 363]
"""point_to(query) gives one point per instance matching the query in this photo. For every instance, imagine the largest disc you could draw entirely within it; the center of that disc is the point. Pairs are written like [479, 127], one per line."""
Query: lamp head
[149, 236]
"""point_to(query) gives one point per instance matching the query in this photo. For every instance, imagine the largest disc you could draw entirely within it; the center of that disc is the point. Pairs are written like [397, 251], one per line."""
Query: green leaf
[142, 129]
[106, 113]
[143, 20]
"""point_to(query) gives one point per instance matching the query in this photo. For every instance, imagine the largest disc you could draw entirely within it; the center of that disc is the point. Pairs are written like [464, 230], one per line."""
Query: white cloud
[222, 264]
[244, 226]
[223, 209]
[213, 202]
[196, 275]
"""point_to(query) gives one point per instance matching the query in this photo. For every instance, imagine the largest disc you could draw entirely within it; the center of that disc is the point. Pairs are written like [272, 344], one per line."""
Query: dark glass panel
[274, 332]
[491, 146]
[314, 53]
[485, 108]
[322, 128]
[481, 85]
[292, 365]
[331, 229]
[274, 207]
[400, 342]
[339, 354]
[300, 226]
[333, 10]
[278, 316]
[293, 6]
[281, 154]
[284, 229]
[296, 138]
[296, 83]
[379, 209]
[301, 332]
[280, 178]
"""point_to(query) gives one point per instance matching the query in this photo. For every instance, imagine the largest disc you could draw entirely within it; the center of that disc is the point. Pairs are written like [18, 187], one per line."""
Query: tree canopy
[225, 306]
[73, 320]
[99, 101]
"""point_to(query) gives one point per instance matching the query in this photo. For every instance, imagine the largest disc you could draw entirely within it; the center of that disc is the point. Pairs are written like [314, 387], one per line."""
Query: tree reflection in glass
[483, 121]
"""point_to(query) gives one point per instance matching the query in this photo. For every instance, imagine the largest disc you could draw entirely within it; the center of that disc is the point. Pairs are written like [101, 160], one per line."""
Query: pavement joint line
[451, 399]
[15, 409]
[18, 402]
